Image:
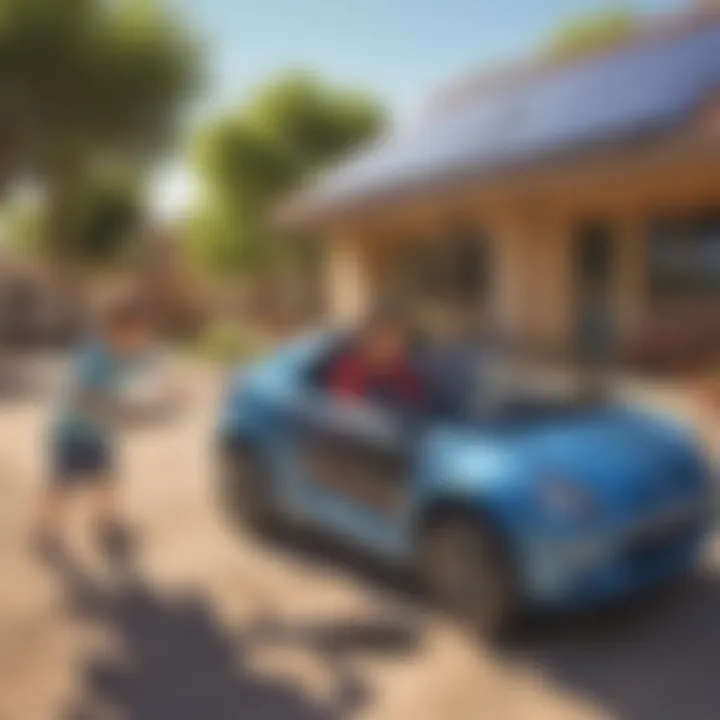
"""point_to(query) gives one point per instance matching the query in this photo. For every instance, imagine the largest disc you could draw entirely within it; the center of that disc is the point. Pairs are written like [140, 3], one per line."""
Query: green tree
[593, 31]
[293, 127]
[21, 223]
[82, 83]
[109, 216]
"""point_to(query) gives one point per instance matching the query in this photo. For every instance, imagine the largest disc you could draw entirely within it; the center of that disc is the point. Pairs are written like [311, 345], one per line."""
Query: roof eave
[301, 213]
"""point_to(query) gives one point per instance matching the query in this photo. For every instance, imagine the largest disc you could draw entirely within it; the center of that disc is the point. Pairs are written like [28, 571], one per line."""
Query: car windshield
[472, 382]
[481, 382]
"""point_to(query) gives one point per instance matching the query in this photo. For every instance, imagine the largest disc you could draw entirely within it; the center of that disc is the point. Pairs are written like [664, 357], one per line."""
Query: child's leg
[113, 534]
[105, 499]
[53, 510]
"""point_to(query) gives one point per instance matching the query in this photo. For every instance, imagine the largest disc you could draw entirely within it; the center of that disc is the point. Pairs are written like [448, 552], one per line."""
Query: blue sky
[400, 50]
[397, 48]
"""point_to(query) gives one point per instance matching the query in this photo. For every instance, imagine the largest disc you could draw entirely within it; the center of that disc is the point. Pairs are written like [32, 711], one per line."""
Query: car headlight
[565, 500]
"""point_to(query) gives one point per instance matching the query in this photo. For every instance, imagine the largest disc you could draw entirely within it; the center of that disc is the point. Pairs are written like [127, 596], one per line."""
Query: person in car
[378, 365]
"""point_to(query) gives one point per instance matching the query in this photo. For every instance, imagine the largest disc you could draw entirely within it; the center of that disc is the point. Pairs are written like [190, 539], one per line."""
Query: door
[353, 462]
[594, 273]
[447, 279]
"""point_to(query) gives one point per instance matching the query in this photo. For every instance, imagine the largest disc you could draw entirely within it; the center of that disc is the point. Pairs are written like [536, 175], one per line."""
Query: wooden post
[348, 281]
[631, 279]
[533, 278]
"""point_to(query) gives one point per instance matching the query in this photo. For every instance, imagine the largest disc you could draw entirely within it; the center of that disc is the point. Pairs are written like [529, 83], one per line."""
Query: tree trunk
[60, 228]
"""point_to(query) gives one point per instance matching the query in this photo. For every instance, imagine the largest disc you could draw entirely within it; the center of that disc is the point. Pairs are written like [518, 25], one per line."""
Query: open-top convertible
[530, 501]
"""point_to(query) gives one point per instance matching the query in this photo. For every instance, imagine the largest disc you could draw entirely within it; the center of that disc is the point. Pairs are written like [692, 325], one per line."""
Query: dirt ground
[213, 626]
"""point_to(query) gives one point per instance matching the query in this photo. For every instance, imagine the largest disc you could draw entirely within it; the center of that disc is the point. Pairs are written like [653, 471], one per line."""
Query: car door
[353, 463]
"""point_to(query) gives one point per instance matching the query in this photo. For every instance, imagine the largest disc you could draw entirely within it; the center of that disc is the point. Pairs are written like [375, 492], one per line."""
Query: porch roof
[643, 89]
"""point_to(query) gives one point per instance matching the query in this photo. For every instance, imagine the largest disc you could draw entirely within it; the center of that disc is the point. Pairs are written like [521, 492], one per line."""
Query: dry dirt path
[216, 627]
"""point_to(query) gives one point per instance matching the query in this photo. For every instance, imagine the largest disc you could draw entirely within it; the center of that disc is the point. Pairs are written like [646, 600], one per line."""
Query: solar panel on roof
[638, 89]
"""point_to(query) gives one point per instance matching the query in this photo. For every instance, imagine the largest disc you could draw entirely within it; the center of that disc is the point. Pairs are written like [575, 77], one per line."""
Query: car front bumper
[609, 565]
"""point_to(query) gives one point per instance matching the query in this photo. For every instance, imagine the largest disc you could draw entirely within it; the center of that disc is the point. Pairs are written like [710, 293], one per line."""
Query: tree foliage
[594, 31]
[109, 213]
[82, 83]
[294, 126]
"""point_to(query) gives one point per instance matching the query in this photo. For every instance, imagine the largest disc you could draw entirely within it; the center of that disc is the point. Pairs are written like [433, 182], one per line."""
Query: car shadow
[655, 658]
[314, 548]
[176, 660]
[389, 634]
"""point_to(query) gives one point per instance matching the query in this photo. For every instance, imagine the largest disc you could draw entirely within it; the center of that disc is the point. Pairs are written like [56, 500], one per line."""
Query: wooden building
[568, 204]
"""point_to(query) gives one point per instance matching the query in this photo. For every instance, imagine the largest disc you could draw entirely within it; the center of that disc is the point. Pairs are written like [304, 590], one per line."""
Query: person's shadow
[175, 660]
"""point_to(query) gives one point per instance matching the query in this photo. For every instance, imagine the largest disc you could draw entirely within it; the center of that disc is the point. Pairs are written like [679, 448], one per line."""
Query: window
[684, 257]
[452, 269]
[469, 275]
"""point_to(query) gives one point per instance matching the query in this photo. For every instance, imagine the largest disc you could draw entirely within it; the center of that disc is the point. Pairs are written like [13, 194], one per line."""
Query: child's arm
[91, 390]
[103, 399]
[99, 405]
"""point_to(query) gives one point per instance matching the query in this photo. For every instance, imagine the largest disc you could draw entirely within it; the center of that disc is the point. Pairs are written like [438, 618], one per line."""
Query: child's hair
[124, 313]
[388, 312]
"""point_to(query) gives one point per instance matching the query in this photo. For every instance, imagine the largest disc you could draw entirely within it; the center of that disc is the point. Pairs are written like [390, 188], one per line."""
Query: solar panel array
[638, 89]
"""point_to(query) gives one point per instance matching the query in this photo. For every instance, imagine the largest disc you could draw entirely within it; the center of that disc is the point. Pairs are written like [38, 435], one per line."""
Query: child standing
[82, 438]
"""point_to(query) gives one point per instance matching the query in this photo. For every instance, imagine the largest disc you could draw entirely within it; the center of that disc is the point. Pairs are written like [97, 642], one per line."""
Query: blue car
[529, 502]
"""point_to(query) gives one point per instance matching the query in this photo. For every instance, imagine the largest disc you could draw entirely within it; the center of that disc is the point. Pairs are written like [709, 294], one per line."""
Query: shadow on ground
[176, 661]
[654, 658]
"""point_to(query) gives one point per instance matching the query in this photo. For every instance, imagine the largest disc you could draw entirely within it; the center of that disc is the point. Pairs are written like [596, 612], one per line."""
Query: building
[35, 307]
[562, 202]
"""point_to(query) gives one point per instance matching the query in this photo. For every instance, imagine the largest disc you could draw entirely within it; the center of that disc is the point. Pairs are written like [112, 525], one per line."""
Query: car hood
[624, 457]
[620, 453]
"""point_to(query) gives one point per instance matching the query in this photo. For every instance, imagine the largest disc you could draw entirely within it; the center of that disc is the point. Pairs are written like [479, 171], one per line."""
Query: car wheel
[465, 570]
[246, 490]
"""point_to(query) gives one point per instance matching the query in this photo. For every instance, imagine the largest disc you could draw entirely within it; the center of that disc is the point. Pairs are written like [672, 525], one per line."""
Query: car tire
[246, 490]
[464, 568]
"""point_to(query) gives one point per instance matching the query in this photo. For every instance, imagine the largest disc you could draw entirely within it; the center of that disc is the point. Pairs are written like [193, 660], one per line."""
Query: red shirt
[398, 384]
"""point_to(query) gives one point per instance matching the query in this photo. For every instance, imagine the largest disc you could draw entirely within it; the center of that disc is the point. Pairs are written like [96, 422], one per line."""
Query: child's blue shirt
[86, 407]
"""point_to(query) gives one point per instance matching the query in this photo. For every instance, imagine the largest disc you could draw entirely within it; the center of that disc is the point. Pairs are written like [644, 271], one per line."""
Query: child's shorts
[81, 461]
